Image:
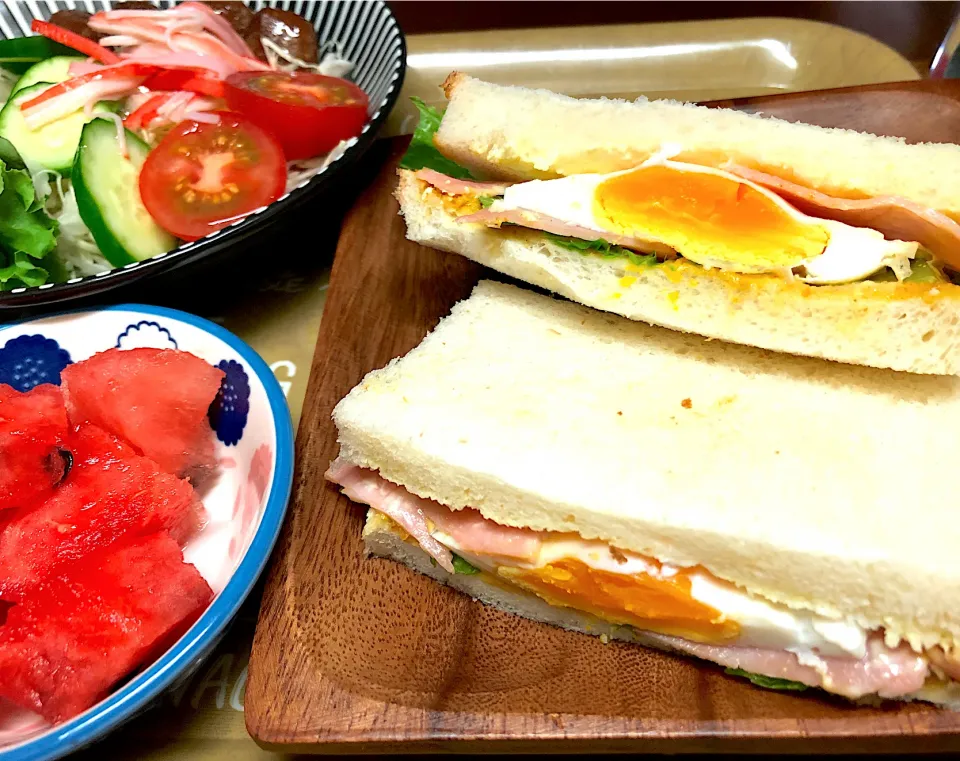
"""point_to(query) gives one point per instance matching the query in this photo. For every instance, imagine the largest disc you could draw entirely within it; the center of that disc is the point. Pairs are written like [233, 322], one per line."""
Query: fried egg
[629, 589]
[714, 218]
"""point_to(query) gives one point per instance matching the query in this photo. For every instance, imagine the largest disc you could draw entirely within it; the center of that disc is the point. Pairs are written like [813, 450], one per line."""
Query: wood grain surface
[355, 655]
[922, 111]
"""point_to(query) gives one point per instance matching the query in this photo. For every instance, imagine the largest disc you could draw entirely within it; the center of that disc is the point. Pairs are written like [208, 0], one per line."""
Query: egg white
[852, 253]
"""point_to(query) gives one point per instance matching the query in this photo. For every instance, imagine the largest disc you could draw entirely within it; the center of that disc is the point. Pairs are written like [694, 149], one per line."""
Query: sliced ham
[884, 671]
[455, 187]
[470, 531]
[538, 221]
[475, 534]
[896, 218]
[366, 487]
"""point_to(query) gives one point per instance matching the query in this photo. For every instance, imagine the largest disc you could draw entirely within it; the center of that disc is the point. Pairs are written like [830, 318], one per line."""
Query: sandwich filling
[731, 218]
[684, 609]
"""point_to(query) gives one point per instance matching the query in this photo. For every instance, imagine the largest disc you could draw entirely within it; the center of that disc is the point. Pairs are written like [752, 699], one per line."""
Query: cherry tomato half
[202, 177]
[309, 113]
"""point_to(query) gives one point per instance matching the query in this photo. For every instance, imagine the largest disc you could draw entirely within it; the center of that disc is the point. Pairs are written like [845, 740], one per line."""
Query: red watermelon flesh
[94, 622]
[110, 492]
[154, 399]
[33, 426]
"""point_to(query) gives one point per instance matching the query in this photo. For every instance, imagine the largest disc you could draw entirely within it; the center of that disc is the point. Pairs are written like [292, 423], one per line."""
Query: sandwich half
[788, 519]
[790, 237]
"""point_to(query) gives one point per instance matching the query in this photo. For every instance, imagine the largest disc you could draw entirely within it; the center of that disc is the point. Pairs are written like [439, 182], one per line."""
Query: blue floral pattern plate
[245, 504]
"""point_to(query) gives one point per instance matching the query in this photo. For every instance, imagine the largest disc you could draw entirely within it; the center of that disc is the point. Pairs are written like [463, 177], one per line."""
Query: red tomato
[202, 177]
[309, 113]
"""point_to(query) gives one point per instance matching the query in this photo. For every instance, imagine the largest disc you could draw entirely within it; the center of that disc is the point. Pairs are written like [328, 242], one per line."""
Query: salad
[125, 132]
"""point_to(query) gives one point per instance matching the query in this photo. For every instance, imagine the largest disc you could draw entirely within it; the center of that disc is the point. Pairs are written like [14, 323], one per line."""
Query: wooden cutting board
[364, 655]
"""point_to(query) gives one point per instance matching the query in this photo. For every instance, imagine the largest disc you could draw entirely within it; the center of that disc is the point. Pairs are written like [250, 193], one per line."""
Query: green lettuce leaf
[9, 155]
[22, 185]
[462, 566]
[922, 270]
[27, 232]
[486, 201]
[770, 682]
[603, 248]
[422, 153]
[18, 54]
[23, 272]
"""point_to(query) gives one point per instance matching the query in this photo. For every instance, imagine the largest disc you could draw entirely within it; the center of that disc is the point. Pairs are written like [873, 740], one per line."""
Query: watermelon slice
[154, 399]
[81, 632]
[110, 492]
[33, 427]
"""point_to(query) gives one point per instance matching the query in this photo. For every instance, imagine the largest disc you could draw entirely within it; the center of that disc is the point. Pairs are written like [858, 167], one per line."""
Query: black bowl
[369, 36]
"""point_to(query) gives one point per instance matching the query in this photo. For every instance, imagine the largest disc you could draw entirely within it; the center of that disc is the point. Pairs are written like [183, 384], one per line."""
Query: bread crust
[912, 327]
[453, 80]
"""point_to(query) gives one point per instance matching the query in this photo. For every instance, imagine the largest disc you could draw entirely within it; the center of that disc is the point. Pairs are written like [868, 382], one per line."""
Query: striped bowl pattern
[365, 32]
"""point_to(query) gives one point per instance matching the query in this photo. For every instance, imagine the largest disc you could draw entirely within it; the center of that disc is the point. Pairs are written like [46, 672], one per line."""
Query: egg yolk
[711, 219]
[648, 602]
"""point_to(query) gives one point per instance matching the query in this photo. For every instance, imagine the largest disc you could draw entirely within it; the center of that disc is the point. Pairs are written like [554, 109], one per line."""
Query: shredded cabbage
[76, 253]
[76, 249]
[43, 188]
[332, 63]
[301, 170]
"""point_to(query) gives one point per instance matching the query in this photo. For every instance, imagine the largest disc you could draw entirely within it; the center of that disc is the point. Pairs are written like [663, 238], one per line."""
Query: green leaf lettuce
[462, 566]
[27, 232]
[603, 248]
[422, 153]
[770, 682]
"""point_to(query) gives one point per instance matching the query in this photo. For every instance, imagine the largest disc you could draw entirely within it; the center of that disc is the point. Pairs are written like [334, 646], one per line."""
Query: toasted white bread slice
[818, 485]
[517, 133]
[914, 327]
[382, 538]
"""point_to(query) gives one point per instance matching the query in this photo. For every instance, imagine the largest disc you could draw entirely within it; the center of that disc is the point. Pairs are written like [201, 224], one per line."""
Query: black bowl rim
[215, 243]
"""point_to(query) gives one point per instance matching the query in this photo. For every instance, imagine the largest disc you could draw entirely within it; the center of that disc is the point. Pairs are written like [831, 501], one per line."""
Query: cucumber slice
[108, 195]
[52, 70]
[54, 145]
[18, 54]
